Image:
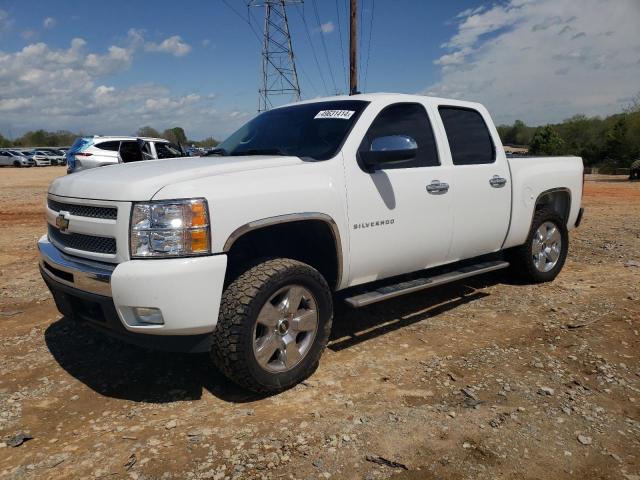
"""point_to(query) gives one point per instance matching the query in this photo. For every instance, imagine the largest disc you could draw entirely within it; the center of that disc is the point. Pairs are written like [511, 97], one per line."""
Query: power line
[313, 50]
[366, 69]
[244, 20]
[344, 68]
[324, 45]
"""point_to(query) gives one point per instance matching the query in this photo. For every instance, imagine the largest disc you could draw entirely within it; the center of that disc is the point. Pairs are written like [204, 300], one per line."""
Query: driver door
[398, 222]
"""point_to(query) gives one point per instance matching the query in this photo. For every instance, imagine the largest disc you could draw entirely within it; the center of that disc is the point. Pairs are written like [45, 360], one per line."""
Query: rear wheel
[274, 323]
[542, 256]
[16, 164]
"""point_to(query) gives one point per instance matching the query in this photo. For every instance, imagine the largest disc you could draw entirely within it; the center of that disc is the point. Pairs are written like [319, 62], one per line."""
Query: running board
[410, 286]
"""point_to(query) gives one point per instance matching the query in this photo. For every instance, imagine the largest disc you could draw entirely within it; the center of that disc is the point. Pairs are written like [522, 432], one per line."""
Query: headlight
[170, 228]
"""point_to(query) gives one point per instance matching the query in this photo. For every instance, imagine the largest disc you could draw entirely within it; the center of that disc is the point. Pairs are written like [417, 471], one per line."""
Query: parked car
[239, 254]
[13, 158]
[97, 151]
[40, 158]
[57, 157]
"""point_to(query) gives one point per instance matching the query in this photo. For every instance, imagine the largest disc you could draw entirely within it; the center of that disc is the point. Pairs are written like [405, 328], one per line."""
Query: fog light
[152, 316]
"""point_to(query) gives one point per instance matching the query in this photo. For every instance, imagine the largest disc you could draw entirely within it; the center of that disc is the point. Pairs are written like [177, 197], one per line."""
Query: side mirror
[390, 150]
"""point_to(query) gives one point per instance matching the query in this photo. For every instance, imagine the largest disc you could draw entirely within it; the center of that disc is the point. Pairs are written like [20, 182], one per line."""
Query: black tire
[232, 350]
[16, 164]
[522, 258]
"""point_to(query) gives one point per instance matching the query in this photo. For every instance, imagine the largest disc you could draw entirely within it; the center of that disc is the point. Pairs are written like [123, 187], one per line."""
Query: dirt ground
[480, 380]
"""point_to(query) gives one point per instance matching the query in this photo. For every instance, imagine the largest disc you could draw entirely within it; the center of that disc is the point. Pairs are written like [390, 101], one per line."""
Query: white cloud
[327, 27]
[69, 88]
[544, 60]
[49, 22]
[173, 45]
[6, 22]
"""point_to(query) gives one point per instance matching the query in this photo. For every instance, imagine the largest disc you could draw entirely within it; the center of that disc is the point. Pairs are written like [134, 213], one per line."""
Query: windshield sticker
[343, 114]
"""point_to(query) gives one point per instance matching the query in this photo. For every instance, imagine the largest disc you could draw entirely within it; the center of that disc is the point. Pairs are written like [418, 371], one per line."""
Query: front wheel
[542, 256]
[274, 323]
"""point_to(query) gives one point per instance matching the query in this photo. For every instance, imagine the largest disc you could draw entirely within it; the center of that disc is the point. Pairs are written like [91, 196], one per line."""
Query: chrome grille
[89, 211]
[79, 241]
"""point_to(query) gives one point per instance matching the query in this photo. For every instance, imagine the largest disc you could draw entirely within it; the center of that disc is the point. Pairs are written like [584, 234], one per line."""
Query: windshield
[313, 130]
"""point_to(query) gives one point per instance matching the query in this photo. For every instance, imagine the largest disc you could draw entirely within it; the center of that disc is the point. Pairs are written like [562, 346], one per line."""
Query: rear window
[468, 135]
[112, 146]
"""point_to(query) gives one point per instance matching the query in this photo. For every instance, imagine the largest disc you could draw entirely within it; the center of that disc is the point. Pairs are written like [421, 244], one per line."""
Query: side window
[112, 146]
[130, 152]
[468, 135]
[167, 150]
[408, 119]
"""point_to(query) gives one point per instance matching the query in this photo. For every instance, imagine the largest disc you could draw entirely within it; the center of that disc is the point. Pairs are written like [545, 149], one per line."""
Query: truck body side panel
[533, 176]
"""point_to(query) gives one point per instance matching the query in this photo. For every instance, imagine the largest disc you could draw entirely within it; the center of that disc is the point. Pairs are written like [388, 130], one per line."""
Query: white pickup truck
[239, 253]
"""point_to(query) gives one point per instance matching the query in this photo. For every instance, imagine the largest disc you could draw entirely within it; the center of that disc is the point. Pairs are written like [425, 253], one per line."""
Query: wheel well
[310, 241]
[558, 200]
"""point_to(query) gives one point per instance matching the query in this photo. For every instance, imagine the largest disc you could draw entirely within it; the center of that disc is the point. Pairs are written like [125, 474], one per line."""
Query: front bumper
[187, 291]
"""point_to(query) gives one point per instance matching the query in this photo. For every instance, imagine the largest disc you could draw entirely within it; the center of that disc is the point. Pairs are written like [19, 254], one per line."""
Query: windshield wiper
[261, 151]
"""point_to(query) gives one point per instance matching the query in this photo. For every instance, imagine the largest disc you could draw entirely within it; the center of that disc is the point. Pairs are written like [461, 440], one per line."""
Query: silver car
[14, 158]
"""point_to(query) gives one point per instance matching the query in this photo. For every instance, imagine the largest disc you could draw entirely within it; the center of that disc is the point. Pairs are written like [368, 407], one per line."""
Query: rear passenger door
[482, 196]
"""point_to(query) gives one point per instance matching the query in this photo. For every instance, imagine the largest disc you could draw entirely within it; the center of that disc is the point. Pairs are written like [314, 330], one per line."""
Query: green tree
[4, 142]
[546, 141]
[208, 142]
[517, 134]
[148, 132]
[618, 147]
[175, 135]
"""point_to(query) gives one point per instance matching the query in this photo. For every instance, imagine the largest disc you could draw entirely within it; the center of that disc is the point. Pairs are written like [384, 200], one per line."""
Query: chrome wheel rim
[546, 247]
[285, 329]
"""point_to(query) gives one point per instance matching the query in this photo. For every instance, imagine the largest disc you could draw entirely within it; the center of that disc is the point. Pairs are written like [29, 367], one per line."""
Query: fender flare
[288, 218]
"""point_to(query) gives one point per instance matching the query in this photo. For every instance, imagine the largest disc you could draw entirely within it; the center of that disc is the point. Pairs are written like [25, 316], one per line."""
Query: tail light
[83, 154]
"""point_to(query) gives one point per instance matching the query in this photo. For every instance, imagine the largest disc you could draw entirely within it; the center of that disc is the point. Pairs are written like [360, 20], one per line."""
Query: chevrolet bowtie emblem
[62, 222]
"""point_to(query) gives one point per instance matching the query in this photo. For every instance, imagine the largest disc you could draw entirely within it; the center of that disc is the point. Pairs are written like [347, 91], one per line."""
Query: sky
[110, 67]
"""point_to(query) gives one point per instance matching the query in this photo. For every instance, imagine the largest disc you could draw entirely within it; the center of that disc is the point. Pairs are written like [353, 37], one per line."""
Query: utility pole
[279, 75]
[353, 56]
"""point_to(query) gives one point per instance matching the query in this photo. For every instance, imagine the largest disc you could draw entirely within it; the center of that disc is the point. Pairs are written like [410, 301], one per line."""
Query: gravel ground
[483, 379]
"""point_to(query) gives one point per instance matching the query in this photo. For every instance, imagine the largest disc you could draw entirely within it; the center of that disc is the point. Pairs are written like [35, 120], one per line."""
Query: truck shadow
[118, 370]
[354, 326]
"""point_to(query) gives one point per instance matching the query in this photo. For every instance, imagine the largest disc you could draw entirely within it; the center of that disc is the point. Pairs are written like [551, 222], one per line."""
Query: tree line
[64, 138]
[611, 142]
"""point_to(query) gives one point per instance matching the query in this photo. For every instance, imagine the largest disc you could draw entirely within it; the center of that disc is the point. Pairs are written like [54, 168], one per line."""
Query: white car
[40, 157]
[56, 157]
[14, 158]
[98, 151]
[239, 253]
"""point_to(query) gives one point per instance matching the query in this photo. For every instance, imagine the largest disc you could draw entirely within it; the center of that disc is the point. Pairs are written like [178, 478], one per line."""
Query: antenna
[279, 75]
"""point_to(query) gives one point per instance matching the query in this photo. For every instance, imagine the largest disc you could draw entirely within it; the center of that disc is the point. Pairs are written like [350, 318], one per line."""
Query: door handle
[497, 181]
[436, 187]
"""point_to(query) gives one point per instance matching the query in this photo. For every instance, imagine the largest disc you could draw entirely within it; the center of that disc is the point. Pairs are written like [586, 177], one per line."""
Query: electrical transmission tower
[279, 76]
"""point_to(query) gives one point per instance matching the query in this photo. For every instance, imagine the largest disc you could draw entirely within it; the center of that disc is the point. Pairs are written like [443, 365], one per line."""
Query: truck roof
[389, 96]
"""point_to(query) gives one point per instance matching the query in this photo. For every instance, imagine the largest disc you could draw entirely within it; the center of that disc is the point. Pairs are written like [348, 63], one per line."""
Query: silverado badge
[62, 222]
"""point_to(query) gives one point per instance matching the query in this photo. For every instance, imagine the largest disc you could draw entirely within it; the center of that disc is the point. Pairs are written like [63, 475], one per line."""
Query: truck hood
[140, 181]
